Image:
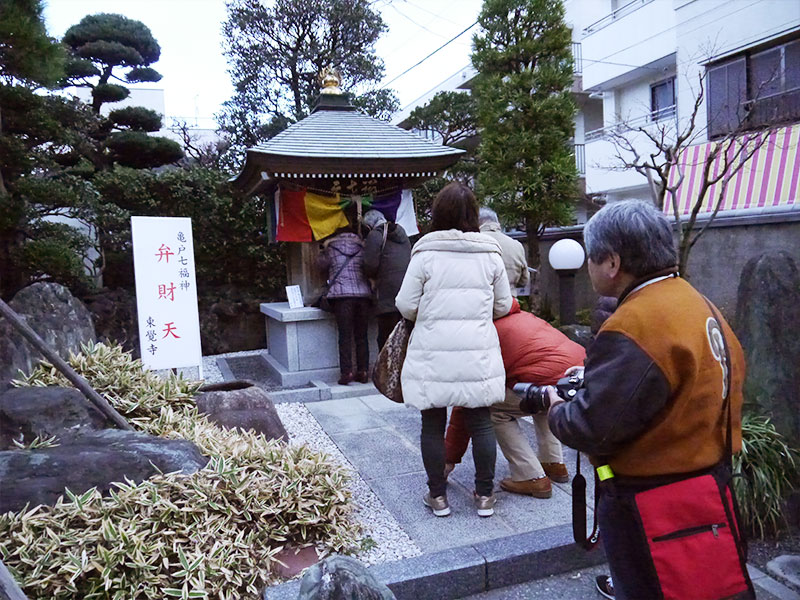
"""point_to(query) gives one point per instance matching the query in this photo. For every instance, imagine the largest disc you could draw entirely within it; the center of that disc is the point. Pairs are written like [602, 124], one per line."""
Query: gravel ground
[390, 541]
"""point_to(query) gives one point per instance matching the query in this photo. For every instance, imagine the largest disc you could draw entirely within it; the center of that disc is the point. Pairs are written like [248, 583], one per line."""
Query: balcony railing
[580, 158]
[613, 16]
[577, 56]
[625, 126]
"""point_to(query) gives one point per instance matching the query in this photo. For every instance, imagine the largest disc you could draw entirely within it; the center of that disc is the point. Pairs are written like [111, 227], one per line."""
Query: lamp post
[566, 257]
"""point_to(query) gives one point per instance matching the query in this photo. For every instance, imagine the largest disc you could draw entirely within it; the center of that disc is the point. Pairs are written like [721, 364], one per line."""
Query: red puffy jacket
[533, 350]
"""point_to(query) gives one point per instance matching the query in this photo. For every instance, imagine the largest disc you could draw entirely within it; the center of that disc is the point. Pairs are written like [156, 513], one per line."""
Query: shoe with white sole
[485, 504]
[438, 505]
[605, 586]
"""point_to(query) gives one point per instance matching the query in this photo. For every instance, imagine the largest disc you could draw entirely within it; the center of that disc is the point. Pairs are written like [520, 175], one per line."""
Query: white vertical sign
[166, 292]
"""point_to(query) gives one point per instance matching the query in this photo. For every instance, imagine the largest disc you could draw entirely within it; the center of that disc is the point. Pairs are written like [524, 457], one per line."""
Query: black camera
[535, 398]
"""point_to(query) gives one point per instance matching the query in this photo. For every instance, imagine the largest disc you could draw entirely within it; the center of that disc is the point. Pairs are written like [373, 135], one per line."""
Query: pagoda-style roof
[338, 141]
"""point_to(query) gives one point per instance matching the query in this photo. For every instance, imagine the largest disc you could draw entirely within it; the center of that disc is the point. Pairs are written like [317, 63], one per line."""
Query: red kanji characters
[164, 252]
[165, 292]
[170, 329]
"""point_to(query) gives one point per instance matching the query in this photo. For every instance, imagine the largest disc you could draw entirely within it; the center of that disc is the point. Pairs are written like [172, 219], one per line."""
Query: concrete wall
[715, 264]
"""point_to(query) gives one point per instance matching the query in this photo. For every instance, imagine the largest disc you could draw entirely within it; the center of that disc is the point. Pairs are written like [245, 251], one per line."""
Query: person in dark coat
[349, 293]
[387, 252]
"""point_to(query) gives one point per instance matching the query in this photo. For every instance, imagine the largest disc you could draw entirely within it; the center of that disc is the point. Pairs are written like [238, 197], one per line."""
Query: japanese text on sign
[166, 292]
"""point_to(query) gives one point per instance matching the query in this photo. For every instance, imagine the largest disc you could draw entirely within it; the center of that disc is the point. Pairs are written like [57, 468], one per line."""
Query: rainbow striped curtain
[302, 216]
[769, 179]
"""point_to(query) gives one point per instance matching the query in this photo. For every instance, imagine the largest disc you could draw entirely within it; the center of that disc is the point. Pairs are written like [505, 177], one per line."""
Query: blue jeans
[484, 448]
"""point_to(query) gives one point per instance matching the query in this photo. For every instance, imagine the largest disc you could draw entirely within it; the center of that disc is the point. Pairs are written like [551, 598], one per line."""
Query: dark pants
[386, 323]
[484, 448]
[626, 548]
[351, 320]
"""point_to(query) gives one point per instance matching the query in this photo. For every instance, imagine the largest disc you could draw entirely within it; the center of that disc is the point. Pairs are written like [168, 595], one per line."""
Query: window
[757, 89]
[662, 99]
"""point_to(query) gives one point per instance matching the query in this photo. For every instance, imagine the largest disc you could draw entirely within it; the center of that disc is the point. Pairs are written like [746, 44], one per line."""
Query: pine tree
[34, 131]
[101, 47]
[525, 113]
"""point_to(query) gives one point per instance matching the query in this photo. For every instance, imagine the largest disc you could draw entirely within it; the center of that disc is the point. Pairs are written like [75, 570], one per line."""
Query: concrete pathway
[381, 439]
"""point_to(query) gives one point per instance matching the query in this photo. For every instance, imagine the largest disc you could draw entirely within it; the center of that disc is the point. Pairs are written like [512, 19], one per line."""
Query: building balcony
[606, 172]
[652, 118]
[580, 159]
[627, 43]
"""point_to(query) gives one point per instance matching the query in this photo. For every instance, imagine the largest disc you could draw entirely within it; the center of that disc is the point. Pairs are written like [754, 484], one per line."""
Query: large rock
[230, 321]
[580, 334]
[342, 578]
[29, 412]
[55, 314]
[767, 314]
[241, 404]
[114, 315]
[89, 459]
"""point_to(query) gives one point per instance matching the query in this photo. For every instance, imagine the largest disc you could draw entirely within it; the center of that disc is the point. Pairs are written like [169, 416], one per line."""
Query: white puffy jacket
[455, 285]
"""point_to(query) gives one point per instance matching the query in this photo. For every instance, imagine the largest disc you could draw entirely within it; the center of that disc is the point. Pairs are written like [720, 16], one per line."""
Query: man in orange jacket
[533, 352]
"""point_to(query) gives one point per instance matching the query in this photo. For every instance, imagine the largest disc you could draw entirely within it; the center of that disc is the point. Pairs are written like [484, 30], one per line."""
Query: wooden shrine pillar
[301, 269]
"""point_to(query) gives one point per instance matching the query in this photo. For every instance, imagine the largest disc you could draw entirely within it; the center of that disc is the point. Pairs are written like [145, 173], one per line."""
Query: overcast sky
[196, 81]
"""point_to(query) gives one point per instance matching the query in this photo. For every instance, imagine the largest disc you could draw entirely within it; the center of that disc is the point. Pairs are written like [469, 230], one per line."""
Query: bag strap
[385, 235]
[335, 277]
[579, 508]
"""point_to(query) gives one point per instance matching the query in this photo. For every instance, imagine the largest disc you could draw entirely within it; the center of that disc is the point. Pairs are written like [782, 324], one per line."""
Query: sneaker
[538, 488]
[556, 472]
[485, 504]
[448, 468]
[605, 586]
[438, 505]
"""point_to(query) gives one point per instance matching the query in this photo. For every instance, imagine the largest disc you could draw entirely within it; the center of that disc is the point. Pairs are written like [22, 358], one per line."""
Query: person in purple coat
[349, 294]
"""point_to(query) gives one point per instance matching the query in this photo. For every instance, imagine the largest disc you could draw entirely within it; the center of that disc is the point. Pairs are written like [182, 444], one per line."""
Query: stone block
[348, 414]
[444, 575]
[533, 555]
[378, 453]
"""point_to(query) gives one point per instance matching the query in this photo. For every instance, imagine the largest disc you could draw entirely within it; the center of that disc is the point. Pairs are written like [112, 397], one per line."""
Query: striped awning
[770, 178]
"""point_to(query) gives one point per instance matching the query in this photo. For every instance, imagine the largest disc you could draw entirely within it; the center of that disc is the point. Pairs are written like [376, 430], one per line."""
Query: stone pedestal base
[302, 343]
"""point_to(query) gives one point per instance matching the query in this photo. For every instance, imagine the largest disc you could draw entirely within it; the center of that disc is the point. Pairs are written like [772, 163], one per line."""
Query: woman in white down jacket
[455, 285]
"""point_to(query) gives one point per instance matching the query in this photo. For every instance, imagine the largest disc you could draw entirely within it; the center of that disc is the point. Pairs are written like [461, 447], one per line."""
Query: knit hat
[372, 218]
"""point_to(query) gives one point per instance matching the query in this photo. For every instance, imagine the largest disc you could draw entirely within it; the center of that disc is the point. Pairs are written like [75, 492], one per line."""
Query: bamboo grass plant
[769, 471]
[212, 534]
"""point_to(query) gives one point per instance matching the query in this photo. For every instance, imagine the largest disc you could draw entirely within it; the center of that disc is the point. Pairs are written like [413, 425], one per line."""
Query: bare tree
[204, 154]
[663, 163]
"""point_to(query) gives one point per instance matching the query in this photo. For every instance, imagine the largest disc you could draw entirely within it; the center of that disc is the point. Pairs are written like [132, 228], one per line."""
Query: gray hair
[487, 215]
[637, 231]
[372, 218]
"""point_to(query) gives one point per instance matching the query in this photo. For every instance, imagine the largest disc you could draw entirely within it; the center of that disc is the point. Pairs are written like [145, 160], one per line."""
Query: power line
[421, 26]
[387, 84]
[418, 7]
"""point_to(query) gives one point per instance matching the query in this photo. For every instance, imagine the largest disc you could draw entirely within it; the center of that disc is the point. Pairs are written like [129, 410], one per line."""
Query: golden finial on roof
[330, 80]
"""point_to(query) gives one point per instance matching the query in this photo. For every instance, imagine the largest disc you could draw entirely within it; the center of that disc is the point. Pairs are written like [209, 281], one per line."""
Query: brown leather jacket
[652, 401]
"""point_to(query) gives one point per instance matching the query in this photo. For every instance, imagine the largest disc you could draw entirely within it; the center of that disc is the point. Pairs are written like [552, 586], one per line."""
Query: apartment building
[638, 64]
[642, 64]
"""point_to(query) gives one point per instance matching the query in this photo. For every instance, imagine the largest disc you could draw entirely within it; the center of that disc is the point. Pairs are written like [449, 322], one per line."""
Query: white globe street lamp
[566, 257]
